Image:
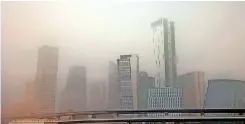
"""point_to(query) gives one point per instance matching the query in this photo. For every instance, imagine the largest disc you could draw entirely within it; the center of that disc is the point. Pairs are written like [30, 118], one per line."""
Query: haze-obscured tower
[46, 76]
[76, 88]
[97, 95]
[194, 86]
[164, 51]
[113, 86]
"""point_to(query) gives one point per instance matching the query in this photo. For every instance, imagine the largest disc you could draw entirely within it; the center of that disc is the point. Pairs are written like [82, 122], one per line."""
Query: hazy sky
[210, 36]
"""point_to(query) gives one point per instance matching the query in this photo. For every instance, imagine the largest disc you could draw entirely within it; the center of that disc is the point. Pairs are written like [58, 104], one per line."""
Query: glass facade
[165, 98]
[128, 71]
[164, 51]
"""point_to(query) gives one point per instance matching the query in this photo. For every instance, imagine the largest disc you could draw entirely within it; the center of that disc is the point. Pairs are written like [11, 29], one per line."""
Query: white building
[128, 71]
[165, 98]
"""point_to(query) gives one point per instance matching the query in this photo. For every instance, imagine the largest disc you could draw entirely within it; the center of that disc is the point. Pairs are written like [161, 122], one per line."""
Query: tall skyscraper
[128, 73]
[164, 43]
[46, 76]
[145, 83]
[113, 86]
[76, 89]
[194, 87]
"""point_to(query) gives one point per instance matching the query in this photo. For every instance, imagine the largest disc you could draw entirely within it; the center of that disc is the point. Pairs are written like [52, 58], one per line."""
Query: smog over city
[77, 50]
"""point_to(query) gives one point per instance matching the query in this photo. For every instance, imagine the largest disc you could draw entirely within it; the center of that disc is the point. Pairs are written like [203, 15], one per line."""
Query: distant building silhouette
[128, 77]
[194, 86]
[113, 87]
[74, 96]
[144, 84]
[46, 76]
[225, 93]
[164, 50]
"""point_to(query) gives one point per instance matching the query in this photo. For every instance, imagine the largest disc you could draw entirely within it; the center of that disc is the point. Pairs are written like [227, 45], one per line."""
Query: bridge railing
[122, 112]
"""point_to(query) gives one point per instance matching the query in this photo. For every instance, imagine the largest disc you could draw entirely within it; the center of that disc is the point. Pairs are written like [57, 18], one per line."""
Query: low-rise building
[165, 98]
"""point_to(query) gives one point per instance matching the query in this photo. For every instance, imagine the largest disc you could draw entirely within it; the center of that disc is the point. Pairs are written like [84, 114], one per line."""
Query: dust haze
[209, 37]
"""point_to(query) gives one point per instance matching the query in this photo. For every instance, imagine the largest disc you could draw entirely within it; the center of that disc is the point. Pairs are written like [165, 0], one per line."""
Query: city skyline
[92, 41]
[26, 54]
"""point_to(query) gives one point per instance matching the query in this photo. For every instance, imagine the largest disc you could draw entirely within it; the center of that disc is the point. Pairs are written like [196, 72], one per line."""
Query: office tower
[113, 86]
[165, 98]
[46, 76]
[194, 87]
[128, 71]
[145, 83]
[225, 93]
[164, 51]
[76, 98]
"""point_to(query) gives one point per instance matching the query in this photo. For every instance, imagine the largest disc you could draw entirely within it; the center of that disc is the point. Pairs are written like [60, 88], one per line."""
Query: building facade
[225, 93]
[145, 83]
[46, 77]
[164, 51]
[113, 86]
[165, 98]
[128, 73]
[194, 85]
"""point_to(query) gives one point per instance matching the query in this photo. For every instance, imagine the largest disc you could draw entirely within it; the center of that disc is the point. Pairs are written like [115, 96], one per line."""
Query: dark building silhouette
[113, 87]
[74, 95]
[46, 77]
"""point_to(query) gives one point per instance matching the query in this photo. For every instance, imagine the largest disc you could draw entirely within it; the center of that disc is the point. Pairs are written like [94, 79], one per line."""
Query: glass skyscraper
[164, 51]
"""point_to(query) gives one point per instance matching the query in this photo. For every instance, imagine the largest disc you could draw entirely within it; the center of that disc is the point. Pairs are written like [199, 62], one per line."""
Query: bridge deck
[159, 119]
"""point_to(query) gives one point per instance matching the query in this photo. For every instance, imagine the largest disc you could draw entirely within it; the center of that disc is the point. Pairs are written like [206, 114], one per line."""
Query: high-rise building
[46, 76]
[225, 93]
[164, 50]
[113, 86]
[145, 83]
[165, 98]
[128, 73]
[76, 89]
[194, 87]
